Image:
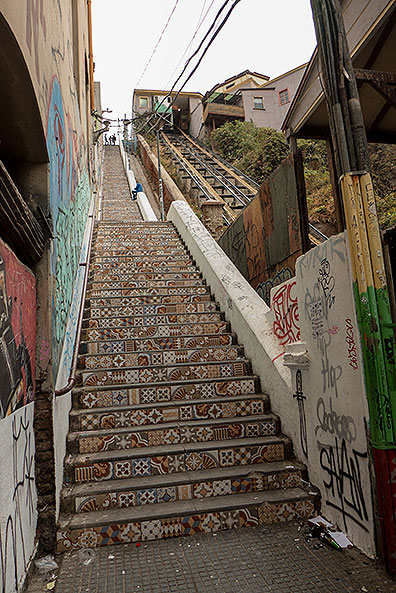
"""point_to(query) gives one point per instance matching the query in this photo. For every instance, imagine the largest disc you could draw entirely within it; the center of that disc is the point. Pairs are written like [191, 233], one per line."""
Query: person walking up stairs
[170, 434]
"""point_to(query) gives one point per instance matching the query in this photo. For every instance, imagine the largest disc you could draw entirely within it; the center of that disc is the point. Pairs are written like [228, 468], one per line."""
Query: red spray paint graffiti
[285, 309]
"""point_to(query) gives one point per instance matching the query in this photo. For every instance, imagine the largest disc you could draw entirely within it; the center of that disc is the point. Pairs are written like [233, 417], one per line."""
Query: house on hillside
[185, 112]
[224, 102]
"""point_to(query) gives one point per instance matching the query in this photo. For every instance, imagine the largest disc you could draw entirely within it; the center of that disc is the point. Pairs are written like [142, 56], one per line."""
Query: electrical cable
[199, 25]
[217, 31]
[157, 44]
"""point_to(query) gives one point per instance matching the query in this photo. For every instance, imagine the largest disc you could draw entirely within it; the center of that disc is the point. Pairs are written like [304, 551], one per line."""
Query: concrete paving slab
[266, 559]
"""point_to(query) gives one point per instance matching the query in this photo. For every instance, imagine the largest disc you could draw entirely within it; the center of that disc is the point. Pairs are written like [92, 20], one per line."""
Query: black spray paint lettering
[344, 490]
[12, 541]
[331, 374]
[327, 282]
[343, 427]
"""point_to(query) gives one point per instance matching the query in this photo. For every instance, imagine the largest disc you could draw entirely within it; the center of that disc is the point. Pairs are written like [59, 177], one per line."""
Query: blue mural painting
[69, 203]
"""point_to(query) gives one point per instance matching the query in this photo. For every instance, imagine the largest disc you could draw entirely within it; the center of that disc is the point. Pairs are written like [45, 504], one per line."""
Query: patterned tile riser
[154, 320]
[176, 435]
[164, 374]
[177, 526]
[158, 415]
[124, 261]
[143, 310]
[141, 255]
[143, 276]
[161, 331]
[148, 300]
[188, 491]
[156, 344]
[148, 285]
[167, 464]
[118, 360]
[151, 395]
[151, 291]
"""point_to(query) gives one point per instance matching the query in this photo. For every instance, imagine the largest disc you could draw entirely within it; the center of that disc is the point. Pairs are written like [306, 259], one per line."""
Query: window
[284, 97]
[258, 103]
[143, 102]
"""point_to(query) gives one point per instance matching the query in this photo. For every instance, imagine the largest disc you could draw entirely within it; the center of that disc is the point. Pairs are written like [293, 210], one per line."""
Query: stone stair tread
[147, 512]
[175, 449]
[119, 386]
[168, 404]
[76, 434]
[179, 478]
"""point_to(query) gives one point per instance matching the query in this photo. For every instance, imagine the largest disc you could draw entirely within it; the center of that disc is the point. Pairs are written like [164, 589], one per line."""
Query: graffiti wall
[17, 390]
[267, 258]
[69, 203]
[18, 332]
[329, 395]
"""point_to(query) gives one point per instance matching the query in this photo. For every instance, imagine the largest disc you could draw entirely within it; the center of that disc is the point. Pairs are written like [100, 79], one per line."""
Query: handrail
[72, 376]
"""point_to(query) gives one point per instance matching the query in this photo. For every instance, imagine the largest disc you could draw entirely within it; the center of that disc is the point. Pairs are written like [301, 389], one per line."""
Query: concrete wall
[149, 160]
[335, 404]
[50, 42]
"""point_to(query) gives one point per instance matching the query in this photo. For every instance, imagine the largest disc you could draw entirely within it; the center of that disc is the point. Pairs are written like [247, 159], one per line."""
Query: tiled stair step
[113, 311]
[160, 489]
[181, 457]
[182, 260]
[152, 357]
[128, 234]
[145, 414]
[145, 268]
[188, 517]
[145, 275]
[144, 321]
[148, 300]
[172, 391]
[158, 254]
[156, 344]
[167, 291]
[197, 431]
[146, 284]
[166, 373]
[167, 245]
[159, 331]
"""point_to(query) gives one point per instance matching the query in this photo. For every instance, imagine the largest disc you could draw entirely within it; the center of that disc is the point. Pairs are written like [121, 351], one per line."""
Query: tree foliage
[257, 152]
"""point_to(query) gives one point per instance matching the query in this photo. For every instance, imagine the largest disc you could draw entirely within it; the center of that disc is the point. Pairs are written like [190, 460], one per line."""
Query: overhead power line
[157, 44]
[213, 37]
[199, 25]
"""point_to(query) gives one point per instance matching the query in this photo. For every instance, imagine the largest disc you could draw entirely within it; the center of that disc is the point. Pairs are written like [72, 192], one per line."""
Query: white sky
[266, 36]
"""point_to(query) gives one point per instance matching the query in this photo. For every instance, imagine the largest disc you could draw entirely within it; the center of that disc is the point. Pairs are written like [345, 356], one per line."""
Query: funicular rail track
[215, 178]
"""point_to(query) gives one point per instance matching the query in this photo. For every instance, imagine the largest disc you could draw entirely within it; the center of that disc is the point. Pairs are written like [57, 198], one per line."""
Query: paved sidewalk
[267, 559]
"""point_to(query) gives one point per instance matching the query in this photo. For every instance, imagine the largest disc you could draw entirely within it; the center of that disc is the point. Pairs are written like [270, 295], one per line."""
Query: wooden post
[339, 210]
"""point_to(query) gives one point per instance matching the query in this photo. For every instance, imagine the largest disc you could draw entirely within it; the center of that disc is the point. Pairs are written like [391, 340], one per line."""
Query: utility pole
[369, 280]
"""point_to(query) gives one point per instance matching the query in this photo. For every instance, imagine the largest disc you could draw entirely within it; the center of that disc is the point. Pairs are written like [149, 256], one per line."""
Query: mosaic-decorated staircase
[169, 432]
